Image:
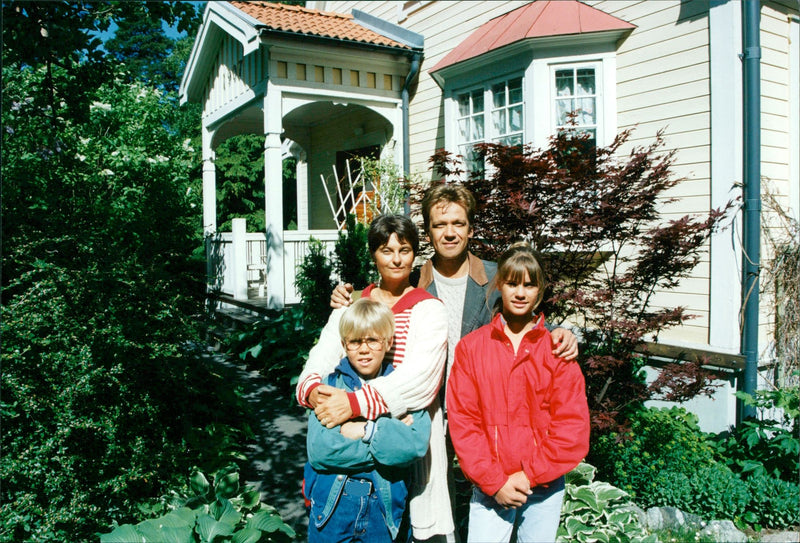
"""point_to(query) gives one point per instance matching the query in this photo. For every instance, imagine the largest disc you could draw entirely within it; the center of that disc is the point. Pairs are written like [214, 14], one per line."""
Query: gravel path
[278, 452]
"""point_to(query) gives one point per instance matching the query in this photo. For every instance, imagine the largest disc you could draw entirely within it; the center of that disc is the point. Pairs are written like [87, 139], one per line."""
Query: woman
[418, 355]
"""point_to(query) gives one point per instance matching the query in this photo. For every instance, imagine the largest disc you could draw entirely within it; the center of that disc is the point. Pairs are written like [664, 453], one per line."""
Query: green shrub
[276, 347]
[314, 281]
[774, 503]
[353, 262]
[718, 493]
[660, 440]
[597, 511]
[765, 446]
[213, 511]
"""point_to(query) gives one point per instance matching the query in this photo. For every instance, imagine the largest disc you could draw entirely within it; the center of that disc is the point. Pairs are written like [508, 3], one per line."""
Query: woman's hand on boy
[514, 493]
[565, 342]
[333, 407]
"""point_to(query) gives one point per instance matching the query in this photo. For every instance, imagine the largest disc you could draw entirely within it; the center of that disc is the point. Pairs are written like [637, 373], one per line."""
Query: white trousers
[536, 521]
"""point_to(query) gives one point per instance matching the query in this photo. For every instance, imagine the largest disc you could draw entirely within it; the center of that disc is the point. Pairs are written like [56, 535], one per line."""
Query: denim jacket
[332, 458]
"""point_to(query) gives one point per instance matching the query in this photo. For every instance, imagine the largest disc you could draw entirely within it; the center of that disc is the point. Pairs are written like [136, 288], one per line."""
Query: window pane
[463, 105]
[515, 91]
[587, 112]
[499, 95]
[563, 107]
[463, 129]
[499, 121]
[564, 83]
[586, 81]
[477, 128]
[515, 118]
[477, 101]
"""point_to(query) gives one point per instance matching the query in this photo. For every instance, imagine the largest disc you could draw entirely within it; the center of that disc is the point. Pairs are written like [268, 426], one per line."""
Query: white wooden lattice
[363, 203]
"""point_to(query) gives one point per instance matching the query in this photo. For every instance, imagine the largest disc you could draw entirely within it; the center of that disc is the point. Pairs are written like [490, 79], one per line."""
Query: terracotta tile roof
[535, 20]
[312, 22]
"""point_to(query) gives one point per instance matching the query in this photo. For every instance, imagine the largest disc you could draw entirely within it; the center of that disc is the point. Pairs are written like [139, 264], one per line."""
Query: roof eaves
[389, 30]
[265, 31]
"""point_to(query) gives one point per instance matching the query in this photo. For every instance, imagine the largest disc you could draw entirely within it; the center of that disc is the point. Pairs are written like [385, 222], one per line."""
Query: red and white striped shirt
[367, 402]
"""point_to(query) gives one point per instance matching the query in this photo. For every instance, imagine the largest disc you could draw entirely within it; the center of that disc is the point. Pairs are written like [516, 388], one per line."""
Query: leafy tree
[105, 396]
[595, 215]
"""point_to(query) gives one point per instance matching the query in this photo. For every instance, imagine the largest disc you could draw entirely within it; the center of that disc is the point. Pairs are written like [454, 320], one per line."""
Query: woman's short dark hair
[385, 225]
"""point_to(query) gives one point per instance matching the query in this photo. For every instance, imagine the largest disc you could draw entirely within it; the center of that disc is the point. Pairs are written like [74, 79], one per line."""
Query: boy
[354, 475]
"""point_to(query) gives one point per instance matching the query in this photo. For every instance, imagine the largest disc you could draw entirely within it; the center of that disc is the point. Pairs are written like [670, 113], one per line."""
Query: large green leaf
[224, 511]
[247, 535]
[199, 483]
[269, 522]
[575, 527]
[606, 492]
[127, 533]
[171, 528]
[227, 486]
[587, 495]
[209, 529]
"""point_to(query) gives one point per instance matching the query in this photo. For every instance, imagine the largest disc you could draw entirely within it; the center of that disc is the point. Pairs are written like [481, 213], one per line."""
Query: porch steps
[235, 315]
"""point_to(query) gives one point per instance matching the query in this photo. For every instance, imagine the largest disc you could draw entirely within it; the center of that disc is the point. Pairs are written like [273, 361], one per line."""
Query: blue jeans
[536, 521]
[357, 517]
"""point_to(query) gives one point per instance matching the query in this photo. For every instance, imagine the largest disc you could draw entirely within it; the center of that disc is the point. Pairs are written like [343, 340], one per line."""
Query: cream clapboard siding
[775, 134]
[663, 83]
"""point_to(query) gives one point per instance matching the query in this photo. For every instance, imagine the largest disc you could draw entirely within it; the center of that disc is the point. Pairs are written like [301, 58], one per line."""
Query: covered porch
[319, 87]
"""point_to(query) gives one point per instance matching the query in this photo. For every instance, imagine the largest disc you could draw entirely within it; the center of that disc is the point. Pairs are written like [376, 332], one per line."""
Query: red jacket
[508, 413]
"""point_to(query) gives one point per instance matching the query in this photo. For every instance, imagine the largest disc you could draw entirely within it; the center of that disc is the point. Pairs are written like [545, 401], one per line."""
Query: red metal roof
[535, 20]
[312, 22]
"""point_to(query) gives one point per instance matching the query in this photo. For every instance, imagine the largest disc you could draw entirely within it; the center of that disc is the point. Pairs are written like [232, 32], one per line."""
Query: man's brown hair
[447, 193]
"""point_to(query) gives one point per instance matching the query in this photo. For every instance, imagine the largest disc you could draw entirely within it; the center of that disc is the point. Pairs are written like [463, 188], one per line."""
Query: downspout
[751, 245]
[413, 71]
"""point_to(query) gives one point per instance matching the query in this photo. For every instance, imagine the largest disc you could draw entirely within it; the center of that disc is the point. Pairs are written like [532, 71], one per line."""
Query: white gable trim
[219, 19]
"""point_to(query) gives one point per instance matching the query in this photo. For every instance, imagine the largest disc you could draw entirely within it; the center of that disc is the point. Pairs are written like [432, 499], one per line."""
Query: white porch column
[239, 257]
[273, 195]
[209, 185]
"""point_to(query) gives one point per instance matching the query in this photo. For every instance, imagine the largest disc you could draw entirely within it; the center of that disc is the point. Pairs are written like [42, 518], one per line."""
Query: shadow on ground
[278, 451]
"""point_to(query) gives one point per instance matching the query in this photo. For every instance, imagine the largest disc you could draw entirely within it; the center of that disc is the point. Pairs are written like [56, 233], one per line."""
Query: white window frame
[490, 135]
[598, 94]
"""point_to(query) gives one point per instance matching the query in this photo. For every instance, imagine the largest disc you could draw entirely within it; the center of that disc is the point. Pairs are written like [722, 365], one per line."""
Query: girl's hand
[514, 493]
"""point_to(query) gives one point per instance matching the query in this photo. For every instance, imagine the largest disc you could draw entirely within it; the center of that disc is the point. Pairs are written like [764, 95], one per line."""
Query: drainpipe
[751, 58]
[414, 70]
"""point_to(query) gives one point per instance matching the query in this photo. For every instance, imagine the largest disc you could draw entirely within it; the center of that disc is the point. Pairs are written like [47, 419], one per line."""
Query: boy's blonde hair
[367, 316]
[519, 258]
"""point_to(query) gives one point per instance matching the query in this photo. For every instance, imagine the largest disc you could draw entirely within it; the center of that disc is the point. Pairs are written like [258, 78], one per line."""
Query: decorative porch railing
[239, 263]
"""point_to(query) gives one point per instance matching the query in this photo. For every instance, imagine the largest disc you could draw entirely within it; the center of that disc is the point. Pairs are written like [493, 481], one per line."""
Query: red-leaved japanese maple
[595, 214]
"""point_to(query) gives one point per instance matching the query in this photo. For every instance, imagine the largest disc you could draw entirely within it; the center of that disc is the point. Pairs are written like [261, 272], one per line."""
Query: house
[408, 78]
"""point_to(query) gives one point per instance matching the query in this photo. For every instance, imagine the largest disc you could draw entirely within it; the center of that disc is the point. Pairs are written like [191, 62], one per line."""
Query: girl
[517, 415]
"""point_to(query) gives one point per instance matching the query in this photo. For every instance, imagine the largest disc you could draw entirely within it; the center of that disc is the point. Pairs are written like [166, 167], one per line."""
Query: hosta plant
[213, 511]
[597, 511]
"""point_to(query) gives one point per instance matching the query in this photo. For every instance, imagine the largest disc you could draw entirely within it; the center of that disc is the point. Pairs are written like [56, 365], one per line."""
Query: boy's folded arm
[395, 443]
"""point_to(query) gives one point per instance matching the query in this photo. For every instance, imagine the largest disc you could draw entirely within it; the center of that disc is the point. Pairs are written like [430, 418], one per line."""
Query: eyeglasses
[374, 344]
